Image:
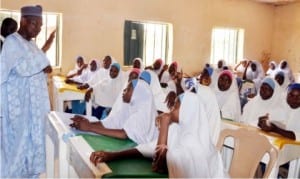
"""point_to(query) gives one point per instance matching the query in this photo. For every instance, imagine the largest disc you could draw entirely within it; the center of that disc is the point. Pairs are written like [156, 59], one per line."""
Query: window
[51, 21]
[148, 41]
[227, 44]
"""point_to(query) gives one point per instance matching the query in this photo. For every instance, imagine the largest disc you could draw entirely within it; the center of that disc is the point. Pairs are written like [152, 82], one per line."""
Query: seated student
[168, 74]
[189, 139]
[186, 145]
[212, 110]
[220, 66]
[269, 101]
[106, 91]
[227, 94]
[157, 66]
[78, 106]
[205, 77]
[85, 76]
[135, 121]
[255, 73]
[159, 96]
[102, 73]
[240, 68]
[284, 67]
[79, 67]
[282, 80]
[138, 63]
[272, 69]
[293, 111]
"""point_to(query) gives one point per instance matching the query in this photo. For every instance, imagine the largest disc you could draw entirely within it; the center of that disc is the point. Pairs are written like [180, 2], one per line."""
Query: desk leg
[63, 159]
[294, 169]
[89, 108]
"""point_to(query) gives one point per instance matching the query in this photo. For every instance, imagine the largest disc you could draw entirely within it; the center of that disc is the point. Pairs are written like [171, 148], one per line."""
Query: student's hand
[88, 95]
[100, 156]
[83, 86]
[265, 124]
[170, 99]
[80, 123]
[69, 81]
[47, 69]
[159, 163]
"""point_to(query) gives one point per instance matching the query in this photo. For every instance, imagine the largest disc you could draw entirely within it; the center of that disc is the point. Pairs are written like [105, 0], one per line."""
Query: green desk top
[123, 168]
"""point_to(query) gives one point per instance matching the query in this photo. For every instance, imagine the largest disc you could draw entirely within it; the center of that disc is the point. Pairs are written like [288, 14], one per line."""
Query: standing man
[24, 99]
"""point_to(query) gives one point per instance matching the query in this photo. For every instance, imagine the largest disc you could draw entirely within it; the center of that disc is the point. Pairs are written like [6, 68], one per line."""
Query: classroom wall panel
[94, 28]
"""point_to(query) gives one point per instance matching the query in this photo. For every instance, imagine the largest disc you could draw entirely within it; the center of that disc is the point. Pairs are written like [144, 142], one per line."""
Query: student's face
[205, 78]
[32, 25]
[266, 92]
[93, 65]
[272, 66]
[253, 67]
[283, 65]
[127, 93]
[136, 64]
[293, 98]
[279, 79]
[133, 75]
[106, 62]
[156, 65]
[174, 112]
[220, 64]
[113, 72]
[172, 70]
[224, 82]
[79, 62]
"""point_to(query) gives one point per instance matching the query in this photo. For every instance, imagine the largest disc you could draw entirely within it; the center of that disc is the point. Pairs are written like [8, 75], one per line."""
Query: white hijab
[140, 126]
[287, 71]
[229, 100]
[257, 107]
[106, 91]
[191, 152]
[158, 93]
[270, 71]
[86, 75]
[212, 111]
[141, 63]
[256, 76]
[292, 122]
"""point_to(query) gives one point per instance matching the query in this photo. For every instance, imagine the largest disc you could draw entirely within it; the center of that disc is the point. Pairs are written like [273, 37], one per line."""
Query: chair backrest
[249, 149]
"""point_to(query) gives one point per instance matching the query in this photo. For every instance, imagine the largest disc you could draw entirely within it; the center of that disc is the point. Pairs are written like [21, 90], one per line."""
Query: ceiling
[278, 2]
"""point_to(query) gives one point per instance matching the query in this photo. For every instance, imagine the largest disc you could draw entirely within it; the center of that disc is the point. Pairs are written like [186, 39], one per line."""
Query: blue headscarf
[293, 86]
[270, 82]
[191, 83]
[134, 83]
[116, 65]
[209, 70]
[145, 75]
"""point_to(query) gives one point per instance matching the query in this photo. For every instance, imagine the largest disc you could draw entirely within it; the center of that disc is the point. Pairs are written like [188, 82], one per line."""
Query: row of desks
[70, 151]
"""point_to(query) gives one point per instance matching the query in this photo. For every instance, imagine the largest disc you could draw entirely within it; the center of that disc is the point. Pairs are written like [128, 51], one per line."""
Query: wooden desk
[288, 150]
[67, 92]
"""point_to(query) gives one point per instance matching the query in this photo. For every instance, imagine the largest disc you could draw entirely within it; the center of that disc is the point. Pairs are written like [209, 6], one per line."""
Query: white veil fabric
[140, 126]
[256, 107]
[106, 91]
[229, 100]
[191, 152]
[256, 76]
